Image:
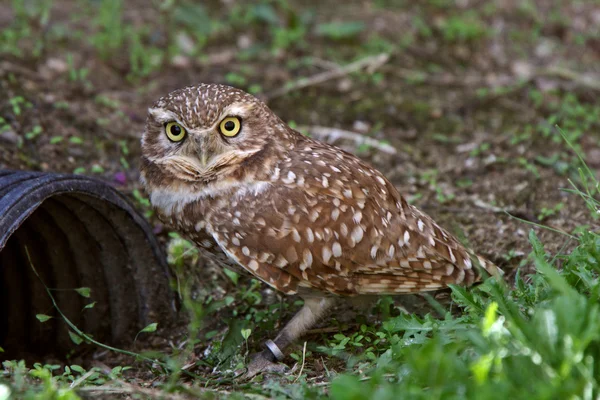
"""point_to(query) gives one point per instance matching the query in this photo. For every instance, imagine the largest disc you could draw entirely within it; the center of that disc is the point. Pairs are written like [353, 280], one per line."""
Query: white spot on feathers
[291, 177]
[374, 252]
[310, 237]
[357, 234]
[468, 264]
[335, 214]
[307, 260]
[326, 254]
[253, 265]
[336, 248]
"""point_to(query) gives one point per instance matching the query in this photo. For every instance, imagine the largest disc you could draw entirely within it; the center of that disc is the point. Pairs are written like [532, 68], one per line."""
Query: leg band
[274, 349]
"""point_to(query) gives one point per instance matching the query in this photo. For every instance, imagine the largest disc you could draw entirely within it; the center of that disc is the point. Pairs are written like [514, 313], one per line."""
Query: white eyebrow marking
[240, 109]
[161, 115]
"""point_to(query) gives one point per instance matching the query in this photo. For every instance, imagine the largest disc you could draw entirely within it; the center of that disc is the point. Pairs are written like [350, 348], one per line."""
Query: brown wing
[329, 222]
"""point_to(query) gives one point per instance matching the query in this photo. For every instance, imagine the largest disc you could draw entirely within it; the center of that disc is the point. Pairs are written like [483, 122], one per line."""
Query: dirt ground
[468, 96]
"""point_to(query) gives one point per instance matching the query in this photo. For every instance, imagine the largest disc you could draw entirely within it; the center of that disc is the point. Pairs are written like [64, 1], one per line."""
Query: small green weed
[143, 203]
[467, 27]
[111, 32]
[546, 212]
[34, 132]
[430, 177]
[341, 30]
[114, 36]
[26, 36]
[575, 118]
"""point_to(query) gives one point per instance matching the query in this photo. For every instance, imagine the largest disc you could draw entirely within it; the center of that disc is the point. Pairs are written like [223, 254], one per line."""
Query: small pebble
[9, 136]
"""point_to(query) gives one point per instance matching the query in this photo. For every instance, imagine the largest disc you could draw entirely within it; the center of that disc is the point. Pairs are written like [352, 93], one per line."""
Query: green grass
[25, 36]
[539, 341]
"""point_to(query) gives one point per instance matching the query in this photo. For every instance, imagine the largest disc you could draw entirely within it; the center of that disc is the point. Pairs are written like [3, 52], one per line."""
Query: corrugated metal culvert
[78, 232]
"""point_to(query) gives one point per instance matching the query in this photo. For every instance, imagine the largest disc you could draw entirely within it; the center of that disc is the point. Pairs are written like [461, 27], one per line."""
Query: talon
[262, 363]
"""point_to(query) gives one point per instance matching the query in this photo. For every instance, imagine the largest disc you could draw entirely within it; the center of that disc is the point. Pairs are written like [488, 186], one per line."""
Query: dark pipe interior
[78, 232]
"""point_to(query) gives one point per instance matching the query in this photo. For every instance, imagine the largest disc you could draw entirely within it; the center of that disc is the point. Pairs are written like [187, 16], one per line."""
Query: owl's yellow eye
[175, 132]
[230, 126]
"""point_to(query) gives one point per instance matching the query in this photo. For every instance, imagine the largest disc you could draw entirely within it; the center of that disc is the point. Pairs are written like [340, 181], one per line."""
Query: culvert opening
[76, 232]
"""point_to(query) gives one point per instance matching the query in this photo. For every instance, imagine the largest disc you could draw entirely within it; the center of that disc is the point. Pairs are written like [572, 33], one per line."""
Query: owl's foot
[264, 362]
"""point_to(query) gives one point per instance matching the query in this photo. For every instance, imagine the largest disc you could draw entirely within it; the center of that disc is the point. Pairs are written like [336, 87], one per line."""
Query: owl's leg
[314, 308]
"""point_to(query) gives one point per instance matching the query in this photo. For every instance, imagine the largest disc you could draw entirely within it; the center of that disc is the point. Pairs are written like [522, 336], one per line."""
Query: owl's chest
[200, 219]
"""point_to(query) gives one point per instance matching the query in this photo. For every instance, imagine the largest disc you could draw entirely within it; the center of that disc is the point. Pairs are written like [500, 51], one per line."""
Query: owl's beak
[204, 148]
[203, 157]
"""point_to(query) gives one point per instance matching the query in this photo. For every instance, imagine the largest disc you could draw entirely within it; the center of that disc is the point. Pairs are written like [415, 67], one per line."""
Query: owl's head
[196, 132]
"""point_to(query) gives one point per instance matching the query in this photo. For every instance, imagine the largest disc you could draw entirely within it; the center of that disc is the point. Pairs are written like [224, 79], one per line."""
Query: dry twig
[587, 81]
[332, 134]
[303, 361]
[370, 63]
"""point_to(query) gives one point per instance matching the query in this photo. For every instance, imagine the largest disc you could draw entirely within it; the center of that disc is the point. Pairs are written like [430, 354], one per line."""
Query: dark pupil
[175, 130]
[229, 125]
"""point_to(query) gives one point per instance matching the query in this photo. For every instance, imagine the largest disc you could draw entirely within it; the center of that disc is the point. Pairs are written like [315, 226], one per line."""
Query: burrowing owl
[302, 216]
